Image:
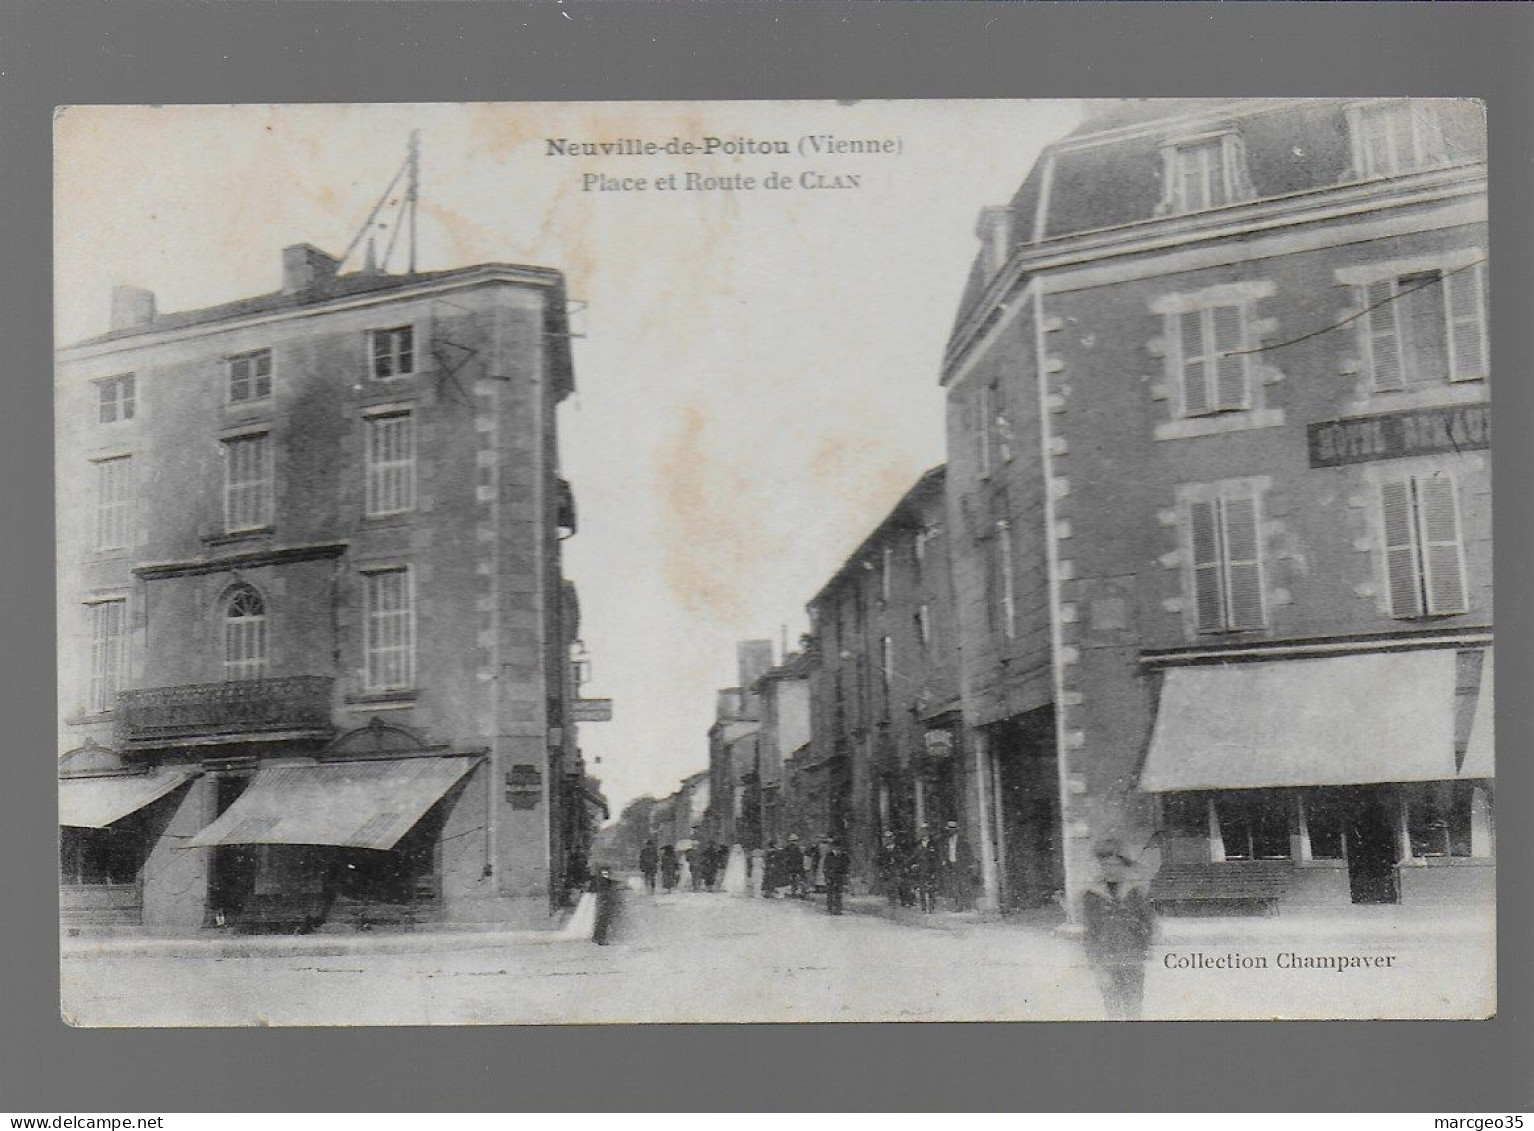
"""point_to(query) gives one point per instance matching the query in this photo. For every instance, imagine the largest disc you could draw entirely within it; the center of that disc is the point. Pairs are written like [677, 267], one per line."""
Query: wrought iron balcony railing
[244, 706]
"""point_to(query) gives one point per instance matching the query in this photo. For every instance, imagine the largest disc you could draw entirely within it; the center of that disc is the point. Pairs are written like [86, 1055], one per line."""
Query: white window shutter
[1382, 335]
[1193, 364]
[1243, 564]
[1401, 549]
[1230, 362]
[1464, 298]
[1442, 554]
[1207, 588]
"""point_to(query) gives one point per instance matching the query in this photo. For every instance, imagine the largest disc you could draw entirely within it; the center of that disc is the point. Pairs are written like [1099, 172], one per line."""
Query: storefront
[1348, 779]
[109, 824]
[357, 843]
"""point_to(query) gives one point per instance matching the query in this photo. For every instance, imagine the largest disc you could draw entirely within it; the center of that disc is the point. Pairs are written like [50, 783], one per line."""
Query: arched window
[244, 635]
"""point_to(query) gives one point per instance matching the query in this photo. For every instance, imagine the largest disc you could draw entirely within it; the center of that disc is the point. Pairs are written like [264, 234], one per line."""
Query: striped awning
[96, 802]
[1480, 760]
[347, 804]
[1342, 720]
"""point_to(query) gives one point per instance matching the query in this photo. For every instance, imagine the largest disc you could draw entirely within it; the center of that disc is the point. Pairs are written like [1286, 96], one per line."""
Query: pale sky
[758, 380]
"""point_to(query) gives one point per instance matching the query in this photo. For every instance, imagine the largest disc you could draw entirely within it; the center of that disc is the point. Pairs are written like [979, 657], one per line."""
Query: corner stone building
[1219, 483]
[313, 631]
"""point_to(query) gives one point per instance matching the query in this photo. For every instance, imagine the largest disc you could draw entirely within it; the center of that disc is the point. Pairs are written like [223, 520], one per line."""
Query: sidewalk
[220, 944]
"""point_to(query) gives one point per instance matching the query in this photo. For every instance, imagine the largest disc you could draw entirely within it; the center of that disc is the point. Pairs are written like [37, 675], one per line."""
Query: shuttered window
[390, 464]
[1007, 581]
[392, 352]
[1224, 533]
[250, 376]
[987, 418]
[1426, 328]
[390, 630]
[247, 483]
[114, 502]
[108, 623]
[1424, 553]
[1209, 361]
[244, 635]
[923, 621]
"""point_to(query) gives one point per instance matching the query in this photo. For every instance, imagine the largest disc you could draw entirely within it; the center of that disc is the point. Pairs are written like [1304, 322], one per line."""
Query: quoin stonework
[1208, 569]
[315, 630]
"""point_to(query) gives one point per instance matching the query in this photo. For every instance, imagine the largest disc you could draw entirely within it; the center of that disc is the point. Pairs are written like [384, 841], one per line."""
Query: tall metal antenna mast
[405, 212]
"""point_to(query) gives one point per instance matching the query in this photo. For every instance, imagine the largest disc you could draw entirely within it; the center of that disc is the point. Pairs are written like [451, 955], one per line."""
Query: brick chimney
[131, 306]
[305, 266]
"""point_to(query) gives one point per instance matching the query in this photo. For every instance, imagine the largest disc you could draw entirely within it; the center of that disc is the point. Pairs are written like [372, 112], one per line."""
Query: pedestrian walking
[793, 866]
[924, 869]
[890, 862]
[835, 864]
[670, 869]
[816, 867]
[1120, 924]
[956, 868]
[736, 880]
[649, 860]
[605, 893]
[688, 878]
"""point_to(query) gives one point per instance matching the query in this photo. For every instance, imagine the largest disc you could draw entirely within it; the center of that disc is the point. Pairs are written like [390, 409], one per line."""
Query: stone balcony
[204, 713]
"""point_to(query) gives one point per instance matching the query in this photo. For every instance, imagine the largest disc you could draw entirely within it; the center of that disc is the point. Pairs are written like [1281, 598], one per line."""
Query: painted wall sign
[1398, 435]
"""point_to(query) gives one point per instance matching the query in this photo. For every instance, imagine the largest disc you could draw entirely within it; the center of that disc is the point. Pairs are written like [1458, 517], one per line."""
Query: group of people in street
[930, 869]
[784, 868]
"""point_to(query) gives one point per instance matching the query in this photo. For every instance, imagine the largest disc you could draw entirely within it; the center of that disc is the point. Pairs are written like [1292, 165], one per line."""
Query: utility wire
[1436, 281]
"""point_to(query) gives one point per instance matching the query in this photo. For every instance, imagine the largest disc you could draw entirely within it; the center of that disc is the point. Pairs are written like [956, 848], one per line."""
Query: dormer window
[1208, 171]
[1395, 137]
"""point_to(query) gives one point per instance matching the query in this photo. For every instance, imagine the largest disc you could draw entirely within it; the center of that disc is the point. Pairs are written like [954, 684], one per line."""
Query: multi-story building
[885, 698]
[783, 693]
[735, 792]
[1219, 479]
[314, 635]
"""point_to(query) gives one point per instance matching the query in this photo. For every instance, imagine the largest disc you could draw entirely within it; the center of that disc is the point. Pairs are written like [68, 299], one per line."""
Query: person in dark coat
[793, 866]
[1120, 924]
[836, 868]
[670, 868]
[649, 860]
[891, 864]
[606, 894]
[924, 867]
[956, 868]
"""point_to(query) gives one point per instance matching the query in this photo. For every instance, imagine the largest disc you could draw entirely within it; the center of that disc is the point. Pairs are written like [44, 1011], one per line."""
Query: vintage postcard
[793, 561]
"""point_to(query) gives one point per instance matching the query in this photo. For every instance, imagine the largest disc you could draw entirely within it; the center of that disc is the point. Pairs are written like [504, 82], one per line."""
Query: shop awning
[96, 802]
[348, 804]
[1479, 759]
[1343, 720]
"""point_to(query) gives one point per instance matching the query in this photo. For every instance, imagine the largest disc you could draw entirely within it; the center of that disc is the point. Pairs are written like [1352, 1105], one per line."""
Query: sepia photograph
[798, 561]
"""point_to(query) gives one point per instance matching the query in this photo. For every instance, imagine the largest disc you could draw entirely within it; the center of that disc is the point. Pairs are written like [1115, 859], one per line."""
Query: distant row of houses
[1208, 568]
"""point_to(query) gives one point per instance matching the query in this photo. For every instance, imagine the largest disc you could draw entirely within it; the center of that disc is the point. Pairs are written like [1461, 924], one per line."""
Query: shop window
[1438, 818]
[1185, 814]
[1425, 328]
[250, 376]
[392, 352]
[1424, 555]
[1224, 536]
[1323, 814]
[1252, 825]
[111, 855]
[116, 398]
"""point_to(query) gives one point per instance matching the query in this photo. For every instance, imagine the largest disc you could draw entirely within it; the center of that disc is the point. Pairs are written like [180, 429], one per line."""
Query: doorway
[232, 871]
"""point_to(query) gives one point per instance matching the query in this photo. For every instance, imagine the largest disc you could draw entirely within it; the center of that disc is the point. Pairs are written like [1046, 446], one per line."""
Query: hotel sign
[1399, 435]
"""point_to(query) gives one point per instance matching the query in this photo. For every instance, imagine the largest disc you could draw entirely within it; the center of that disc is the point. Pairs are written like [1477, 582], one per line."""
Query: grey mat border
[405, 52]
